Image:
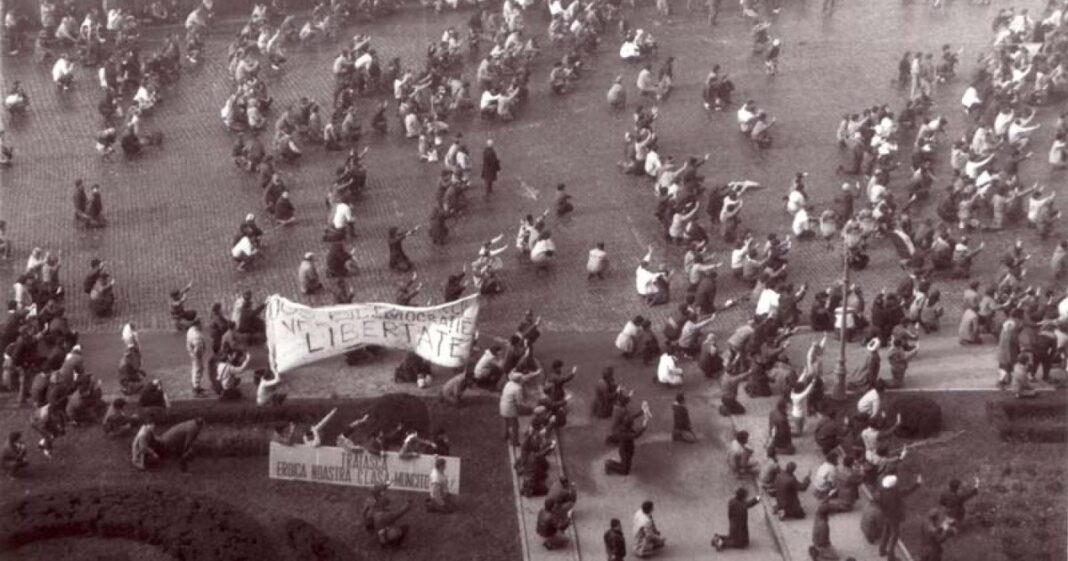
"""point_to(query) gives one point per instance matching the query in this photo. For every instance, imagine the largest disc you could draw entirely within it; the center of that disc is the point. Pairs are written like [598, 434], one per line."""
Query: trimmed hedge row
[1029, 420]
[187, 527]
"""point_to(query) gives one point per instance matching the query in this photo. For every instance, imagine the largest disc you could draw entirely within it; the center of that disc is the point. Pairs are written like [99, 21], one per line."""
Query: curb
[574, 549]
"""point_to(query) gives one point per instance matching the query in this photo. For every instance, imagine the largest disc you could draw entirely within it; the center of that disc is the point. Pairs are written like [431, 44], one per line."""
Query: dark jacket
[491, 166]
[738, 517]
[615, 545]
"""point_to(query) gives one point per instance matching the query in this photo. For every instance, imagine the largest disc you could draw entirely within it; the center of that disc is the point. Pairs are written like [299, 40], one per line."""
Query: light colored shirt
[342, 216]
[870, 403]
[243, 248]
[668, 371]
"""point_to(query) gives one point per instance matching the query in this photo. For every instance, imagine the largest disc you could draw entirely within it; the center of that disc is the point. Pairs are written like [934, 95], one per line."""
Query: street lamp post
[839, 393]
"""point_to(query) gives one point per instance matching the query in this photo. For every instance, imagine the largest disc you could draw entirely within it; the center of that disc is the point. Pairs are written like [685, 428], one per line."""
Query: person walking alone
[196, 347]
[491, 166]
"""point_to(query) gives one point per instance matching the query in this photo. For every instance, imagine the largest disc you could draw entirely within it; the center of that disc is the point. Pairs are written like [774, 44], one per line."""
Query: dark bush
[186, 527]
[307, 543]
[1029, 420]
[921, 417]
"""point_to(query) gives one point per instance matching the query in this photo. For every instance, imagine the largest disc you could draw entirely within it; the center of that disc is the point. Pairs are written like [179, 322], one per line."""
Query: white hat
[250, 217]
[309, 256]
[873, 345]
[889, 482]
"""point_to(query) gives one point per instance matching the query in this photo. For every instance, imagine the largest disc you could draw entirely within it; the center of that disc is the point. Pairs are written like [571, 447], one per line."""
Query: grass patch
[1020, 512]
[484, 528]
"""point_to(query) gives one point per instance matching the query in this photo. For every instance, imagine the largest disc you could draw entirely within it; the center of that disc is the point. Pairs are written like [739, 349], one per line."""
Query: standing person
[891, 501]
[615, 545]
[512, 406]
[597, 263]
[398, 260]
[196, 346]
[779, 435]
[625, 436]
[605, 394]
[821, 548]
[647, 537]
[491, 166]
[439, 500]
[738, 519]
[308, 275]
[682, 430]
[49, 423]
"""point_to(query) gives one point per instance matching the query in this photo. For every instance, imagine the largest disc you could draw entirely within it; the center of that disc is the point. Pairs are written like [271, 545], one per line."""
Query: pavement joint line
[523, 544]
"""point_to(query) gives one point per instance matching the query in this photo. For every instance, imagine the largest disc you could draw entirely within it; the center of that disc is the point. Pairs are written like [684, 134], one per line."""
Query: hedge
[1026, 420]
[187, 527]
[921, 417]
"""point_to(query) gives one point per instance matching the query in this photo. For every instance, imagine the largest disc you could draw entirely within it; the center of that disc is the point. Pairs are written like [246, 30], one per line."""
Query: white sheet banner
[337, 466]
[298, 335]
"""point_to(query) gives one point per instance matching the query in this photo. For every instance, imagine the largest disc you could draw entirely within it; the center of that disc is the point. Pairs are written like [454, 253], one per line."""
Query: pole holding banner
[298, 335]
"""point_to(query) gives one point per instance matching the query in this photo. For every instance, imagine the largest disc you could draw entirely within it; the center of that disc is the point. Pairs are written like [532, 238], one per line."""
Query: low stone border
[1014, 420]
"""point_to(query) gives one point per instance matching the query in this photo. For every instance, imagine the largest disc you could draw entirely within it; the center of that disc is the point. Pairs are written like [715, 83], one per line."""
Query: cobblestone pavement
[172, 212]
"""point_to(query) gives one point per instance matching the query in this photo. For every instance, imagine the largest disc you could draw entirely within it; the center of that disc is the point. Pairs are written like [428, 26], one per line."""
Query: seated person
[13, 457]
[116, 421]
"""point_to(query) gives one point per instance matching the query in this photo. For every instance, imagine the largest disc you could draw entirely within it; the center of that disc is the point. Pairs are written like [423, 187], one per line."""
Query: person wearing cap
[512, 404]
[243, 252]
[398, 260]
[890, 498]
[308, 275]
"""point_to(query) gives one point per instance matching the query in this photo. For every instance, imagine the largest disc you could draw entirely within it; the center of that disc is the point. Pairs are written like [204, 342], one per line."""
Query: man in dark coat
[491, 166]
[738, 517]
[890, 498]
[615, 544]
[787, 489]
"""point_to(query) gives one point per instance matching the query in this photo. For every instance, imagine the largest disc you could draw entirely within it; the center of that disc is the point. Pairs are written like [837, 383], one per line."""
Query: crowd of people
[889, 158]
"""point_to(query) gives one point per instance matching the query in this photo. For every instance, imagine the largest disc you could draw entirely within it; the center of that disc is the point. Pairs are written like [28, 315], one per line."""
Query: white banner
[299, 335]
[337, 466]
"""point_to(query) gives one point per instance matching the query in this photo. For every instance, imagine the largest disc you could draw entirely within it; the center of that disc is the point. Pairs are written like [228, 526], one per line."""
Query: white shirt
[243, 248]
[870, 403]
[668, 371]
[488, 98]
[645, 281]
[130, 336]
[363, 61]
[543, 250]
[598, 261]
[745, 119]
[61, 68]
[629, 49]
[738, 258]
[342, 216]
[801, 222]
[652, 164]
[824, 479]
[971, 97]
[794, 201]
[767, 302]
